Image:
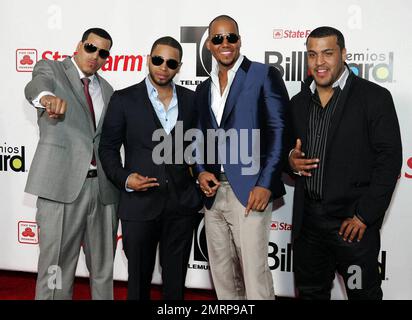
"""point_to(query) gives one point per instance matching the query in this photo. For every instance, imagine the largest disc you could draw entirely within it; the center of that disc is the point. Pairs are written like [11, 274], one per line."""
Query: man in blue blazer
[246, 102]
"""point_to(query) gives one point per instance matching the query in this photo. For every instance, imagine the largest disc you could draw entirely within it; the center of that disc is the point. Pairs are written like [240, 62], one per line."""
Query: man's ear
[208, 44]
[344, 54]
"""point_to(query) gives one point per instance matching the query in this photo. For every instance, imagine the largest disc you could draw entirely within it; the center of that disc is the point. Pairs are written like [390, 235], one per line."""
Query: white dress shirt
[218, 101]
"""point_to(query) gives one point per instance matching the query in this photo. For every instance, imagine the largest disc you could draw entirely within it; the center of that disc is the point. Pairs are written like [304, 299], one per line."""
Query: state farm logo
[408, 172]
[280, 226]
[290, 34]
[28, 232]
[277, 33]
[25, 60]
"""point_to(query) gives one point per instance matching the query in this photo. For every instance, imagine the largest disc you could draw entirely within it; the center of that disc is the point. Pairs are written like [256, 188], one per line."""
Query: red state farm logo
[280, 226]
[25, 59]
[290, 34]
[277, 34]
[28, 232]
[408, 174]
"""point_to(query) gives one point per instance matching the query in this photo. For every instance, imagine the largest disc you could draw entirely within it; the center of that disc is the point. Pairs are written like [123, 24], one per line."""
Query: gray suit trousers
[64, 228]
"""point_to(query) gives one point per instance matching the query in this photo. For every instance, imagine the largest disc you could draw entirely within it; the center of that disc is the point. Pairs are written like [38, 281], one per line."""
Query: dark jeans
[319, 251]
[174, 234]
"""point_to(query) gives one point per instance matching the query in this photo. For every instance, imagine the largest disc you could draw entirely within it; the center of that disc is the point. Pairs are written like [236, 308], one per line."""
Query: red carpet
[16, 285]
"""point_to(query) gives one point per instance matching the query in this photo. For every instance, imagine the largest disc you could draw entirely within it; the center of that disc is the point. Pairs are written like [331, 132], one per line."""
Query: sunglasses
[230, 37]
[171, 63]
[90, 48]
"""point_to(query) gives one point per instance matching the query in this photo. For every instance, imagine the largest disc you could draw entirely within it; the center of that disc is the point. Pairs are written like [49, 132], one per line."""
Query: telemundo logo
[12, 158]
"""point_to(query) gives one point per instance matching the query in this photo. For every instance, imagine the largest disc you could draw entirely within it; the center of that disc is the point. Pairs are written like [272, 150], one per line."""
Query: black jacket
[363, 152]
[131, 121]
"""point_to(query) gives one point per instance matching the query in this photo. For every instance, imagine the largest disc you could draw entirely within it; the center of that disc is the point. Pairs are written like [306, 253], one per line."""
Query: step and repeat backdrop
[273, 32]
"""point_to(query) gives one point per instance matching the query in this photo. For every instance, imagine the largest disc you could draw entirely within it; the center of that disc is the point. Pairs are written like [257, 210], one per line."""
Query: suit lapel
[337, 115]
[235, 89]
[180, 103]
[73, 77]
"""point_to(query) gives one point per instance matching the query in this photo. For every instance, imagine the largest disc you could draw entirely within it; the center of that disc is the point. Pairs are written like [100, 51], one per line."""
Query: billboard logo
[370, 66]
[28, 232]
[282, 259]
[25, 59]
[382, 265]
[292, 68]
[12, 158]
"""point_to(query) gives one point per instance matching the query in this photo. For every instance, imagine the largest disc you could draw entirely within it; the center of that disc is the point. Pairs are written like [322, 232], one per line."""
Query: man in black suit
[347, 158]
[159, 200]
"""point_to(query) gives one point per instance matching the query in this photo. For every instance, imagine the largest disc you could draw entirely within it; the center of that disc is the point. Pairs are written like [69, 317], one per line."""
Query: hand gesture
[55, 106]
[258, 199]
[208, 183]
[351, 228]
[298, 163]
[138, 182]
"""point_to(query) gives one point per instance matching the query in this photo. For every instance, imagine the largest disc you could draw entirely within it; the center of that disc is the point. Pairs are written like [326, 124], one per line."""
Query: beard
[161, 83]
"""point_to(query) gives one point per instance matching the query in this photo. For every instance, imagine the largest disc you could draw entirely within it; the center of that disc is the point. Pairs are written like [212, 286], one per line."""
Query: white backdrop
[379, 47]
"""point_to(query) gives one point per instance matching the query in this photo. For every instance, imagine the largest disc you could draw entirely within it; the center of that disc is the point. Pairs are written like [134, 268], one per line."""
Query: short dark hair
[168, 41]
[326, 31]
[97, 31]
[224, 17]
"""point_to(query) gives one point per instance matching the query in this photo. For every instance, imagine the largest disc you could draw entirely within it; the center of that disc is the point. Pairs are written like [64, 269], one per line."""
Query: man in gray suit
[76, 202]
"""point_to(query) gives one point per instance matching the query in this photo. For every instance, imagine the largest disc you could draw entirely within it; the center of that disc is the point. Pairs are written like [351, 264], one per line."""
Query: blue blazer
[257, 100]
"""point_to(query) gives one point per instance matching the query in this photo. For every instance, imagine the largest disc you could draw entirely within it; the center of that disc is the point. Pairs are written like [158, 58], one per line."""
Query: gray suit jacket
[64, 151]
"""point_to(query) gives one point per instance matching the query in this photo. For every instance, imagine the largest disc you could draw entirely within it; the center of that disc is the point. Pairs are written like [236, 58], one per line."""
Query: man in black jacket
[159, 199]
[347, 158]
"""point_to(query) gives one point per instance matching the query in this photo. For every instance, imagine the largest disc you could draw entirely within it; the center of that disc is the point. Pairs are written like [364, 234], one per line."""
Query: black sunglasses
[230, 37]
[171, 63]
[90, 48]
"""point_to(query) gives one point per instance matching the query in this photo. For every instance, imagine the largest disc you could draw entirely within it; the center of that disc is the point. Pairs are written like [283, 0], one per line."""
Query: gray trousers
[64, 228]
[238, 248]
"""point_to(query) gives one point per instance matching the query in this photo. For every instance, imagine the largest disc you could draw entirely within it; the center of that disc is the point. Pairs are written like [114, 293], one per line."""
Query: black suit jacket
[130, 121]
[363, 152]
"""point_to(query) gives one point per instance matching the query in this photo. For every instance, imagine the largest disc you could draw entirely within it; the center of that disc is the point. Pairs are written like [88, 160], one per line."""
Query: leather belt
[91, 173]
[222, 177]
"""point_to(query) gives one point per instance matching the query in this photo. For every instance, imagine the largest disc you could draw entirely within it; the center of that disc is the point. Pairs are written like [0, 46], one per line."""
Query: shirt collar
[215, 70]
[340, 82]
[81, 74]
